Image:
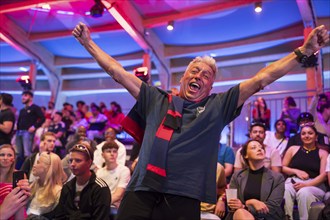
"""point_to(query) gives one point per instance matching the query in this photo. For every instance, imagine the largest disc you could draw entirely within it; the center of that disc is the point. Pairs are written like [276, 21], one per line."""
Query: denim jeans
[24, 142]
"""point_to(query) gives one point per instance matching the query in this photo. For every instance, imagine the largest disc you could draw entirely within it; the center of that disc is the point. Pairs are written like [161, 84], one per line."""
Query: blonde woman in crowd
[46, 189]
[7, 167]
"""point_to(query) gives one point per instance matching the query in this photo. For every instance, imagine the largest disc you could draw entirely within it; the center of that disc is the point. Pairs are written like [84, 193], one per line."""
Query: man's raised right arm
[109, 64]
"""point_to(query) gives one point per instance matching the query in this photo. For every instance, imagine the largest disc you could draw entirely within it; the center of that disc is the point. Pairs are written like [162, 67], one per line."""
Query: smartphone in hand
[17, 176]
[292, 181]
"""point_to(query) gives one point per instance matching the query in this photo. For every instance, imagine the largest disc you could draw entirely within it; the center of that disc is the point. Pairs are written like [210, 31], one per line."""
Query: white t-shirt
[79, 189]
[279, 144]
[272, 158]
[99, 160]
[118, 177]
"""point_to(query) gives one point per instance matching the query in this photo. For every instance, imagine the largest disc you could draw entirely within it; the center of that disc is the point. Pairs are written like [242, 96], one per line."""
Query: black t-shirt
[30, 116]
[253, 184]
[6, 115]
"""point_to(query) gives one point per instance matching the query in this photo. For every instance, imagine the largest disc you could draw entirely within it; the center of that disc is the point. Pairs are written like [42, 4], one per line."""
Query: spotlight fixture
[142, 73]
[258, 7]
[170, 25]
[97, 9]
[25, 82]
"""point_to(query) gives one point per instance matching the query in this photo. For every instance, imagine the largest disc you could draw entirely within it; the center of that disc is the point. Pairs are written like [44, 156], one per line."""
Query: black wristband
[301, 58]
[306, 61]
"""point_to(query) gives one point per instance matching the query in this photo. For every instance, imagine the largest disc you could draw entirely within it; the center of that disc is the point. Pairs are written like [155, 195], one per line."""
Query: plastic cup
[231, 194]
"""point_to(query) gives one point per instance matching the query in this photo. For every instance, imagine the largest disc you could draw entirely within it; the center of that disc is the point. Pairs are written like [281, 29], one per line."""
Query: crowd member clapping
[46, 189]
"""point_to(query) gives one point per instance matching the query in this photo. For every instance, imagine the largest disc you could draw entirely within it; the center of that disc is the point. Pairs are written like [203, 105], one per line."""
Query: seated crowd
[78, 170]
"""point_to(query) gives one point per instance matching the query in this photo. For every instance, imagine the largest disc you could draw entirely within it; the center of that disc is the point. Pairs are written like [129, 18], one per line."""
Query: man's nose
[199, 74]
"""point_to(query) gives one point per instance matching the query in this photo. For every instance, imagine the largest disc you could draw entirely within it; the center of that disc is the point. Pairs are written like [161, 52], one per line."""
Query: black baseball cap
[257, 123]
[306, 116]
[27, 92]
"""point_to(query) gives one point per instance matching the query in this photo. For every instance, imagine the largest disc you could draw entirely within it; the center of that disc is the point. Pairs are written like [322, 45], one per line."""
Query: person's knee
[242, 214]
[304, 193]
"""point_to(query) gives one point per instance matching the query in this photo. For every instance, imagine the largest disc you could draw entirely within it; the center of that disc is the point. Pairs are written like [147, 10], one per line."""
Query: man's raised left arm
[317, 39]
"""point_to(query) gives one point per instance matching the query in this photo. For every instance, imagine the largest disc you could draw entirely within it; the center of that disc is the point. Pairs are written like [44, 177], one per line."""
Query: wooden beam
[23, 5]
[66, 61]
[187, 14]
[130, 19]
[16, 64]
[66, 33]
[286, 33]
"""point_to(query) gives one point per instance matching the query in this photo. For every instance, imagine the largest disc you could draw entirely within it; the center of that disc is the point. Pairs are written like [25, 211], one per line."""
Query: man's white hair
[210, 61]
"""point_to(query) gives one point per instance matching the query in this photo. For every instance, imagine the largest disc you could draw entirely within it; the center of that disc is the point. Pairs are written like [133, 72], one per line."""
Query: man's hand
[81, 33]
[317, 39]
[220, 209]
[32, 129]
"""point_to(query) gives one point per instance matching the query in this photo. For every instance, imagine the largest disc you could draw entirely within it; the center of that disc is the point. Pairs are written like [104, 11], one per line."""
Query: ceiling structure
[134, 32]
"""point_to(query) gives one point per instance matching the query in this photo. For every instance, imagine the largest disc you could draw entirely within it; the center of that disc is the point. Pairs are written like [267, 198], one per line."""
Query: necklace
[307, 150]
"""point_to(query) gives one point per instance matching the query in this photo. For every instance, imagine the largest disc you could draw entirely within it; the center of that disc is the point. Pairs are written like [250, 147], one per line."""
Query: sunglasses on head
[309, 123]
[82, 148]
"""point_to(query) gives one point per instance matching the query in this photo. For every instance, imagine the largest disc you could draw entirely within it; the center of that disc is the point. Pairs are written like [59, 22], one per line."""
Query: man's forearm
[114, 69]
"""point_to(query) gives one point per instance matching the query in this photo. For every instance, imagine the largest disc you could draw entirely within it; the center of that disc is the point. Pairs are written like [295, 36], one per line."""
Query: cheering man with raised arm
[178, 157]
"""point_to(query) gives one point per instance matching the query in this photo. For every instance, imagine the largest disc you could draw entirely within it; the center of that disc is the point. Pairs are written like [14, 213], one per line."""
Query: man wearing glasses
[85, 196]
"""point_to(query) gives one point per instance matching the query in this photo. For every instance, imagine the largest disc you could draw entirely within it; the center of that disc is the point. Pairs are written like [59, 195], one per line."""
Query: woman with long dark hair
[305, 166]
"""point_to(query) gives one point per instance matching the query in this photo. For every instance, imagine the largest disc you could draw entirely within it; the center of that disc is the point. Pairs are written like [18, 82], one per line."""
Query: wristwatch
[301, 58]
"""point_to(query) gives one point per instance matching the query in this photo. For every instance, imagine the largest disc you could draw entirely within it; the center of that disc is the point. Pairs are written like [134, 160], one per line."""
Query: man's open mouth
[194, 86]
